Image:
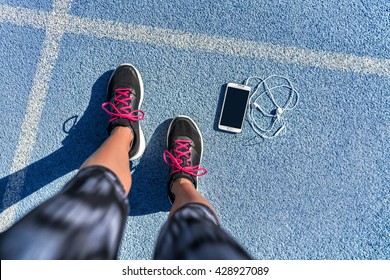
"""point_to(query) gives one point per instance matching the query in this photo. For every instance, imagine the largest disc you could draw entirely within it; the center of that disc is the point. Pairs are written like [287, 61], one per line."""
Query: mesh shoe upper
[125, 96]
[184, 153]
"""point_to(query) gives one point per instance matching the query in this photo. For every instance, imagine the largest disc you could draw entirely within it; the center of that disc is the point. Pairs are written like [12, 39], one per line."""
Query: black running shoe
[184, 154]
[125, 93]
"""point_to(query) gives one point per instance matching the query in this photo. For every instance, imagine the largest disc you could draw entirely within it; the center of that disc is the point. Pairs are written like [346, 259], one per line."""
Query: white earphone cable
[278, 121]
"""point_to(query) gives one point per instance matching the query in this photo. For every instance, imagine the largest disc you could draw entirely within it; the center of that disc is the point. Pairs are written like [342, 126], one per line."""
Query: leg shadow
[149, 190]
[84, 137]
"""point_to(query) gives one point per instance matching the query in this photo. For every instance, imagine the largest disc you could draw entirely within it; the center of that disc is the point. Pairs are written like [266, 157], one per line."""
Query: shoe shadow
[83, 138]
[149, 190]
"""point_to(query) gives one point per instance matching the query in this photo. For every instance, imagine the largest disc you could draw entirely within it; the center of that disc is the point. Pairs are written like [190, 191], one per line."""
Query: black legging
[87, 218]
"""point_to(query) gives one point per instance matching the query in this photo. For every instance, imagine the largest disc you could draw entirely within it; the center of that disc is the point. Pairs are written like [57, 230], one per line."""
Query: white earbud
[279, 112]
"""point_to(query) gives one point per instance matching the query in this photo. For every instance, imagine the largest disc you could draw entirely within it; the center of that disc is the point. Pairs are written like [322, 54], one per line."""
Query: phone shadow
[219, 107]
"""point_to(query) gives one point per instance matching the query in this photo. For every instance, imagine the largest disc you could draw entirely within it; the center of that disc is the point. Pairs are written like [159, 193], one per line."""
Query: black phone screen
[234, 107]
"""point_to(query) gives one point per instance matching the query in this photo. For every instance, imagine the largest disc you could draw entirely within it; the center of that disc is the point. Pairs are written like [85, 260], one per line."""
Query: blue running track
[321, 191]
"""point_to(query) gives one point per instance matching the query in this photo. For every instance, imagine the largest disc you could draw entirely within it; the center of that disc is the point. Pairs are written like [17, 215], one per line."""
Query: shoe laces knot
[123, 98]
[182, 153]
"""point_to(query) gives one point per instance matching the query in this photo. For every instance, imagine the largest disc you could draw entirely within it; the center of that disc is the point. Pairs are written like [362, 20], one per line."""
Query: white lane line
[199, 42]
[223, 45]
[23, 17]
[36, 98]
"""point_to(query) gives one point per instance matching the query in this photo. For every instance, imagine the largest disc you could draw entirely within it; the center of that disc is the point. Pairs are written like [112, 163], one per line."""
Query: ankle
[123, 132]
[122, 129]
[182, 185]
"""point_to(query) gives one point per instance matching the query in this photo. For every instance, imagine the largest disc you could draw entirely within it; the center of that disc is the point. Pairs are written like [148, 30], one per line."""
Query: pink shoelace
[182, 150]
[123, 96]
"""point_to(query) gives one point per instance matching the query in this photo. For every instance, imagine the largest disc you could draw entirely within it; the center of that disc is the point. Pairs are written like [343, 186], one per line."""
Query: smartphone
[234, 107]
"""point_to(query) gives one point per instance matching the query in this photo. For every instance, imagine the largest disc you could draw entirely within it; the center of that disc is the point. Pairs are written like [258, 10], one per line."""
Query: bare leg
[114, 154]
[185, 193]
